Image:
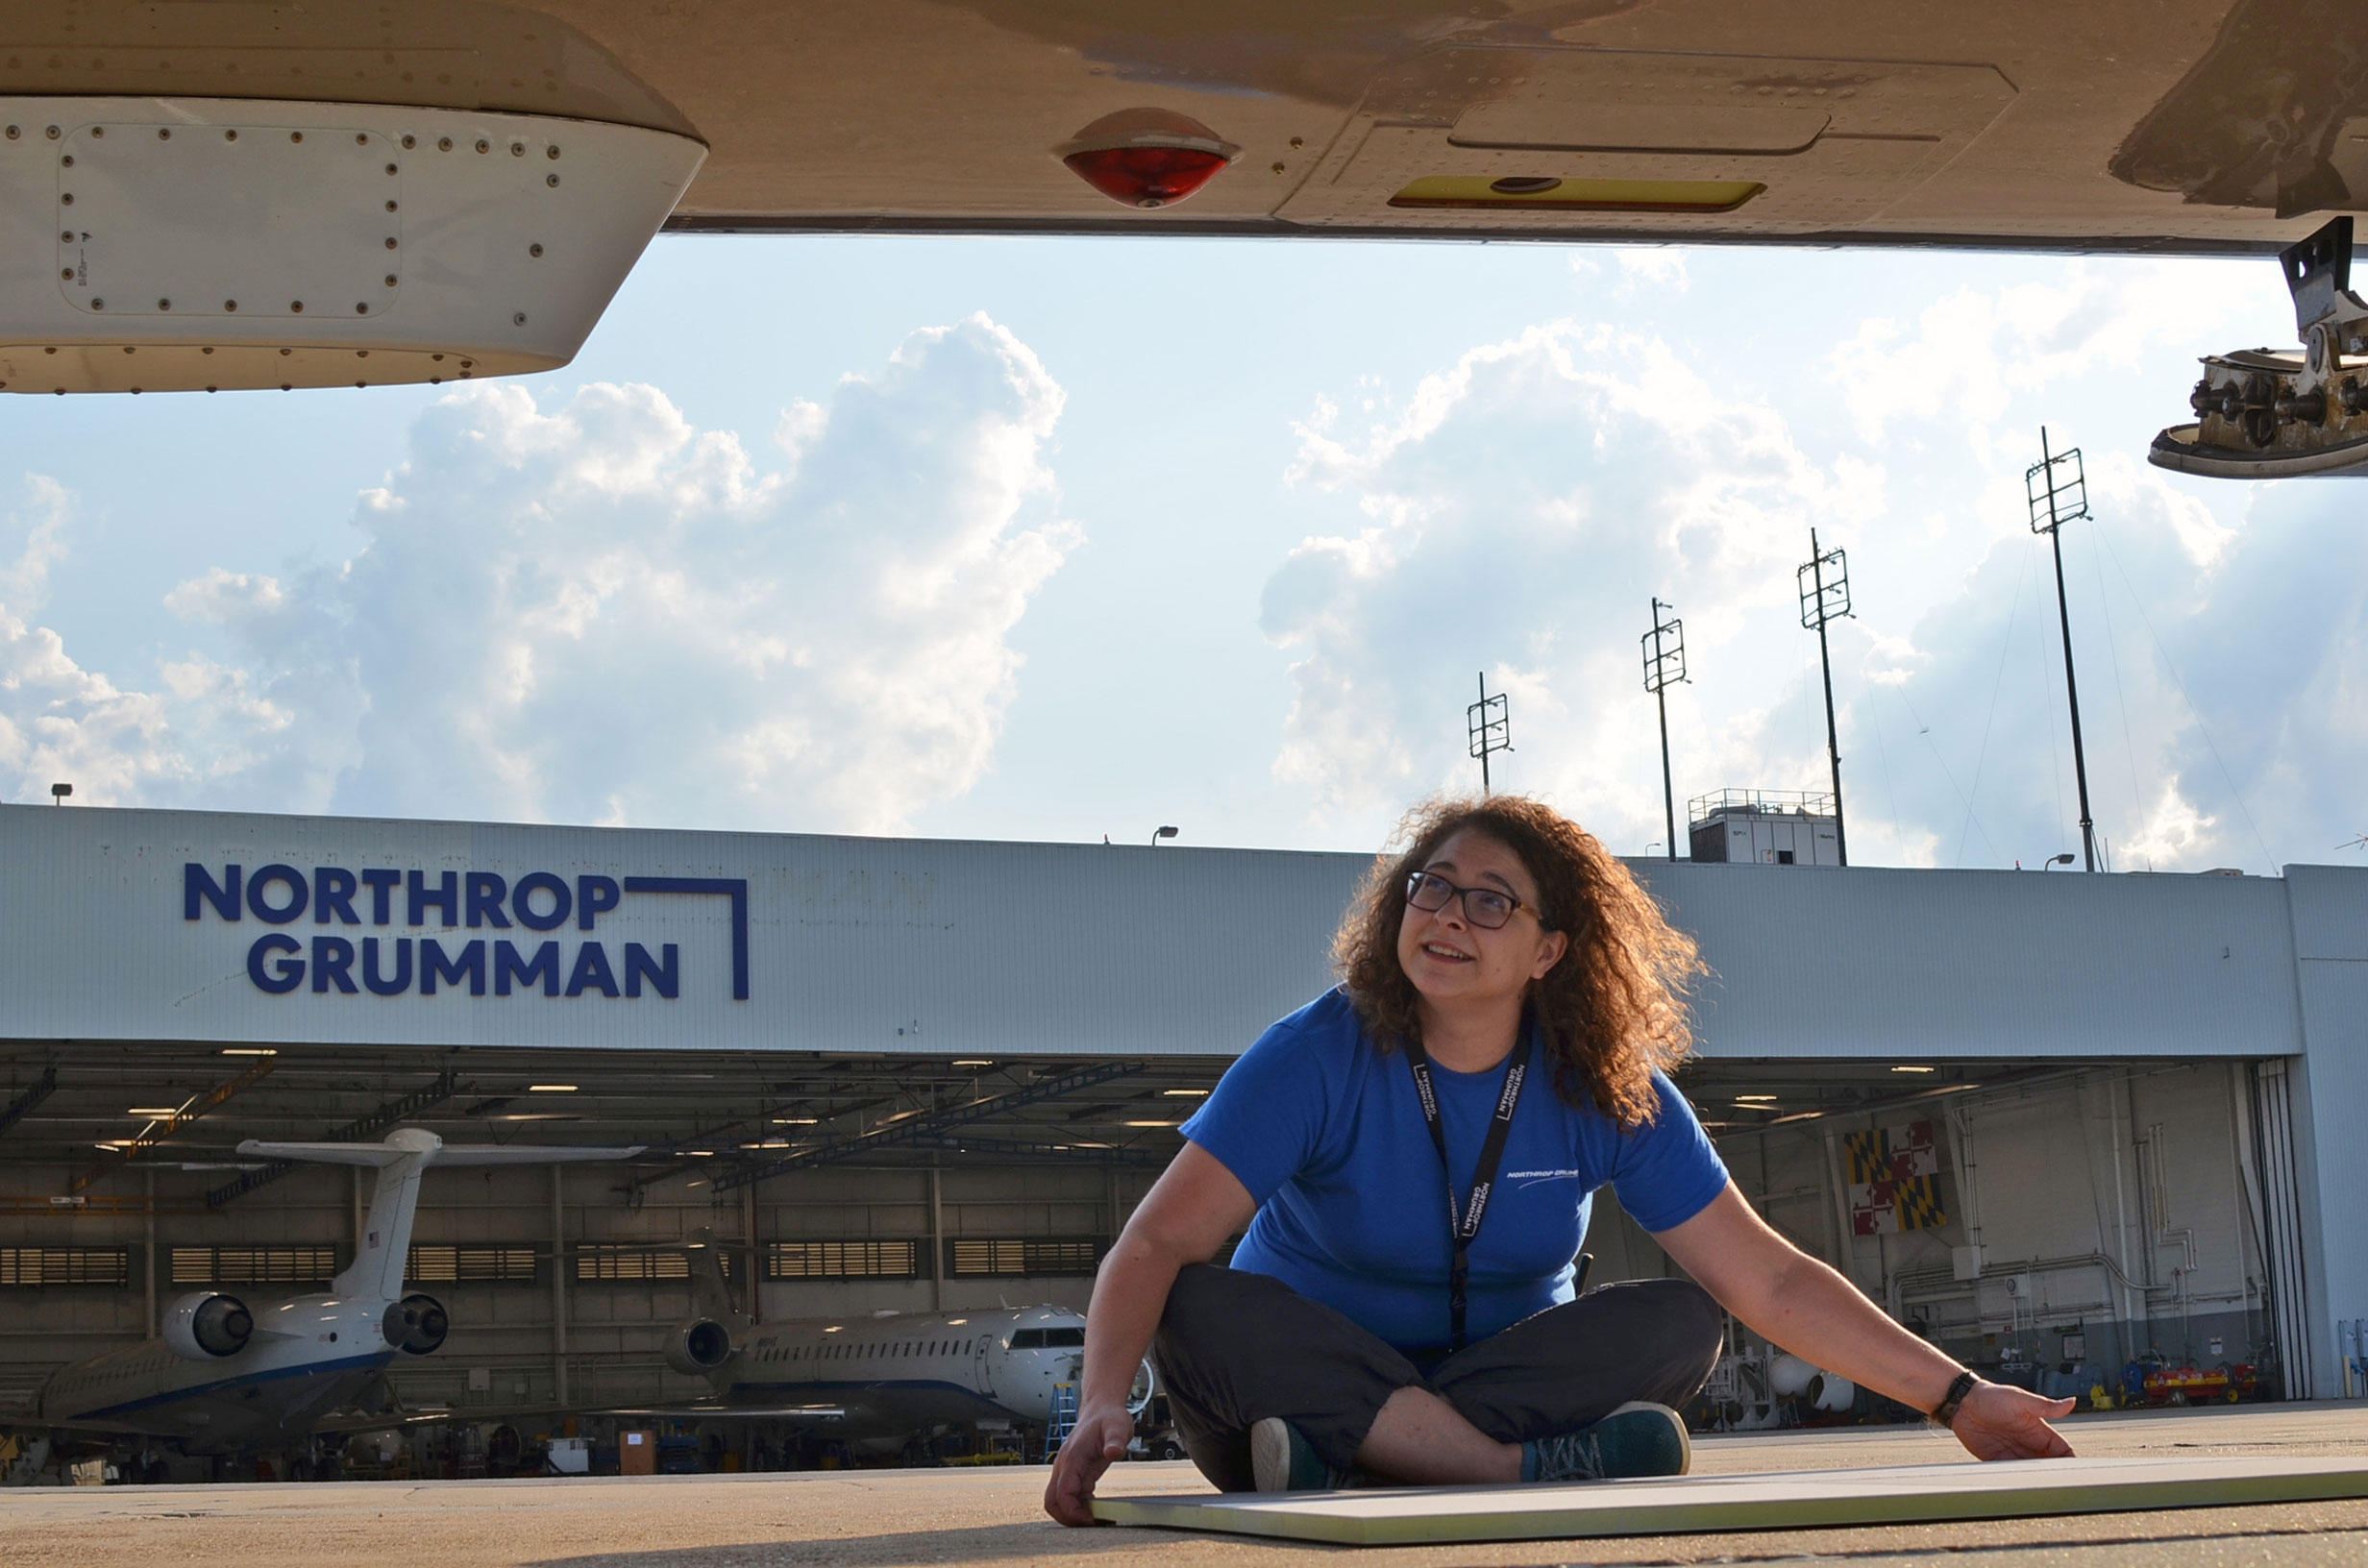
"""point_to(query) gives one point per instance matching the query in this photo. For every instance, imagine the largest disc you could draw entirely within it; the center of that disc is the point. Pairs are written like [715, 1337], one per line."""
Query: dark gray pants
[1234, 1348]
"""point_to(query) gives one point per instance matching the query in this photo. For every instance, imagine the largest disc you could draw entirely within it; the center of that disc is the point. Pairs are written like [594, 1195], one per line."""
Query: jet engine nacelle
[206, 1325]
[416, 1324]
[698, 1346]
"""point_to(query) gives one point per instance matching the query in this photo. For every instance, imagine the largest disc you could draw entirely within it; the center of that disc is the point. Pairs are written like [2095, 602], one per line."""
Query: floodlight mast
[2064, 498]
[1664, 665]
[1490, 726]
[1824, 585]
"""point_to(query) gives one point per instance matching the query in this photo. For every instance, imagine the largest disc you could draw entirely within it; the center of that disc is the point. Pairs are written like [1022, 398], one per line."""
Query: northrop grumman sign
[383, 964]
[256, 930]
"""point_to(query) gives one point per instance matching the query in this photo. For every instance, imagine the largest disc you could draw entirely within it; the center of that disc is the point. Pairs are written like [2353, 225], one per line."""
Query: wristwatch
[1946, 1413]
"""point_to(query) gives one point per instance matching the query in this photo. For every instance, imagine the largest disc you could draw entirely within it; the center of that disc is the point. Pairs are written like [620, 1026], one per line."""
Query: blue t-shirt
[1327, 1135]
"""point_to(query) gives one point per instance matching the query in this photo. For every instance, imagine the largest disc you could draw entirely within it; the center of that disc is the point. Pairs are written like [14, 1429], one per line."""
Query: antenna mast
[1664, 666]
[2064, 496]
[1824, 585]
[1490, 724]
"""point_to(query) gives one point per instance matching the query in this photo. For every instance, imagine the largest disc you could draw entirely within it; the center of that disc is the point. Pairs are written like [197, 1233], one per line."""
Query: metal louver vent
[65, 1265]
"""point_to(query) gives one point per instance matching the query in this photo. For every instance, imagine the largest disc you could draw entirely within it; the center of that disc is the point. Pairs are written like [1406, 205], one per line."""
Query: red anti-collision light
[1146, 158]
[1146, 176]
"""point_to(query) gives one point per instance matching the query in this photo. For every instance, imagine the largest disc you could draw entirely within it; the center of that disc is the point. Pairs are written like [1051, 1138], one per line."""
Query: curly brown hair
[1609, 1012]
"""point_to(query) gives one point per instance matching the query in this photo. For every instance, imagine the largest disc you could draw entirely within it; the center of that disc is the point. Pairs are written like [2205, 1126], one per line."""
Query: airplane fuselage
[306, 1356]
[882, 1376]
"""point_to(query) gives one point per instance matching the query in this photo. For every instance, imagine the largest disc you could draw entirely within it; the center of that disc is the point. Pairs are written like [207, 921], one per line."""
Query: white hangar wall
[2328, 1083]
[120, 925]
[851, 945]
[1879, 962]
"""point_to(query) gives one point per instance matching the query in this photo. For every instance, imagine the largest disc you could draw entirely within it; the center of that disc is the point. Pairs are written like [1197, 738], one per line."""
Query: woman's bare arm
[1186, 1216]
[1792, 1300]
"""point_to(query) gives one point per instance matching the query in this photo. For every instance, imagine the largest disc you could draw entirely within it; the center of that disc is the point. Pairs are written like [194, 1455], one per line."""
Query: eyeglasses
[1485, 907]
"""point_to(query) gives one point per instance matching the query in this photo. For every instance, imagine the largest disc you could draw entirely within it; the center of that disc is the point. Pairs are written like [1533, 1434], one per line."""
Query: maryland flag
[1894, 1180]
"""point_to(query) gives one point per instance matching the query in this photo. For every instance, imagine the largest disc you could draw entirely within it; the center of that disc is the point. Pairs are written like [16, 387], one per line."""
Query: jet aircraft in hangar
[333, 193]
[875, 1383]
[224, 1377]
[227, 1377]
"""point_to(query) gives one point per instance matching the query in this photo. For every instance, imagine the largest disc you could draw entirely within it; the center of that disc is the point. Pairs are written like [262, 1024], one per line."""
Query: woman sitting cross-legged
[1415, 1153]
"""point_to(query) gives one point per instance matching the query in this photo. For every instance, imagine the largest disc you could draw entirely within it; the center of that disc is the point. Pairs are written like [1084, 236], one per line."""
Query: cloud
[1969, 353]
[1516, 513]
[58, 721]
[598, 612]
[33, 538]
[1654, 266]
[2221, 705]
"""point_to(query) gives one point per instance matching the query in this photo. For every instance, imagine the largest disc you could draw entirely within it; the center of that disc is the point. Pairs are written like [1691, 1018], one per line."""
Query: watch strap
[1945, 1413]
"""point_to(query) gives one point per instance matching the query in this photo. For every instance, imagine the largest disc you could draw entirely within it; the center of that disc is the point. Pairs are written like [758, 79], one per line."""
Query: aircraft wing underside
[498, 167]
[2124, 125]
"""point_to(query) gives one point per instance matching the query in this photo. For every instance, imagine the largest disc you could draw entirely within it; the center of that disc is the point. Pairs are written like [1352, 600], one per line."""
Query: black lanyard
[1463, 1218]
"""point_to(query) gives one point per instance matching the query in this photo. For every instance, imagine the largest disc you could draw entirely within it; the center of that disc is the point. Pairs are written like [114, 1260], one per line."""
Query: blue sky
[1057, 538]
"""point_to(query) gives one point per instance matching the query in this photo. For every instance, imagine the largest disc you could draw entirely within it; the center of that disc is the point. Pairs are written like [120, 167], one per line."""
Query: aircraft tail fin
[710, 1290]
[386, 1242]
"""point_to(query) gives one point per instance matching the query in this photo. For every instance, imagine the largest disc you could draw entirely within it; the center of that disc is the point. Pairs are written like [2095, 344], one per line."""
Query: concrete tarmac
[894, 1518]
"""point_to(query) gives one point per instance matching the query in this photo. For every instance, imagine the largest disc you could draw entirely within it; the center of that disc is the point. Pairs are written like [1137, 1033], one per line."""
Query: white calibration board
[1687, 1505]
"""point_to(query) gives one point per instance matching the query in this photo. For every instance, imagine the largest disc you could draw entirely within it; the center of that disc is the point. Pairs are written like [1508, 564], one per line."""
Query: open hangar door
[2051, 1222]
[2068, 1226]
[845, 1184]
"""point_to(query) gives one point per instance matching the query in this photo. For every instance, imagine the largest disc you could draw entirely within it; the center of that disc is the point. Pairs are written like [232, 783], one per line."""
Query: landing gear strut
[2270, 414]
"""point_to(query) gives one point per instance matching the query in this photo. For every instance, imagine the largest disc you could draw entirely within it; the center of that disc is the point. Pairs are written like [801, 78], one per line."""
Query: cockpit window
[1047, 1338]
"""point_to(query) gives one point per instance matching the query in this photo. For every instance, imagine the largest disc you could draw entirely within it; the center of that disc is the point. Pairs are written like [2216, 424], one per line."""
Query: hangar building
[2054, 1120]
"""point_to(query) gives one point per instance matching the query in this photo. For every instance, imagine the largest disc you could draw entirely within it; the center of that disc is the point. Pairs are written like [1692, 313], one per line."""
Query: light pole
[1490, 725]
[1158, 834]
[2054, 861]
[1664, 665]
[1824, 585]
[2064, 496]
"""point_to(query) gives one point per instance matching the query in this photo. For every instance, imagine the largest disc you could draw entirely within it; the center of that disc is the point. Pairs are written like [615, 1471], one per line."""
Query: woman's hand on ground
[1098, 1441]
[1998, 1421]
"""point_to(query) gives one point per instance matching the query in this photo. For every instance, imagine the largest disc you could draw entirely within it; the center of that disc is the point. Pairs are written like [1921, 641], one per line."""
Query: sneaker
[1282, 1460]
[1633, 1441]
